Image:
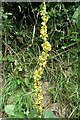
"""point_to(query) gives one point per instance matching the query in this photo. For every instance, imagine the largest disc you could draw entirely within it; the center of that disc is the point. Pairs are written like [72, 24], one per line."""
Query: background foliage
[21, 46]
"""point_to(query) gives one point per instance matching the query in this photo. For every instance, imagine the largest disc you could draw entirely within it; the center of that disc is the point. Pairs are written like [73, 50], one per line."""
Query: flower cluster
[46, 45]
[43, 59]
[39, 96]
[38, 90]
[38, 73]
[44, 17]
[42, 62]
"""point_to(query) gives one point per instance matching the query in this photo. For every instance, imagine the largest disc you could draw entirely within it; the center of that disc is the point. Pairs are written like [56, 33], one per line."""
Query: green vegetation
[21, 47]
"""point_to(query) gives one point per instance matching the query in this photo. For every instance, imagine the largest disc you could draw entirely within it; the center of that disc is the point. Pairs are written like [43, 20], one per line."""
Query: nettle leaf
[9, 109]
[48, 114]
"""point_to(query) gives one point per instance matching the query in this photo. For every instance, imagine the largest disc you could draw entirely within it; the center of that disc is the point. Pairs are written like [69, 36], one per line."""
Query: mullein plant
[42, 61]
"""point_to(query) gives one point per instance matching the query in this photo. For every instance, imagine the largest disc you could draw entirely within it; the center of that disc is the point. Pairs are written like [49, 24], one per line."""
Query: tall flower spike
[42, 62]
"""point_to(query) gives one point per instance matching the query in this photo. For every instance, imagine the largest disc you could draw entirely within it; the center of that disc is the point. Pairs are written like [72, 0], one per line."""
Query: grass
[60, 73]
[60, 78]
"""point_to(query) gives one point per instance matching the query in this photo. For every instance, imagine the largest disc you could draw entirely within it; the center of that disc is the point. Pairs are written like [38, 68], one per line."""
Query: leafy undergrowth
[21, 48]
[60, 86]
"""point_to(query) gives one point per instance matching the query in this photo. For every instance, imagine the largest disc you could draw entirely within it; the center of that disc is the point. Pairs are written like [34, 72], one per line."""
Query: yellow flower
[40, 109]
[44, 37]
[46, 46]
[38, 102]
[40, 98]
[38, 73]
[44, 27]
[42, 32]
[36, 76]
[42, 62]
[43, 57]
[45, 19]
[43, 23]
[44, 8]
[38, 89]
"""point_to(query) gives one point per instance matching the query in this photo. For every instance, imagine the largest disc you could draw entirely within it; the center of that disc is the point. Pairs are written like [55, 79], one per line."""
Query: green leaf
[32, 114]
[18, 81]
[76, 17]
[19, 115]
[41, 6]
[4, 16]
[48, 114]
[9, 109]
[9, 42]
[10, 58]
